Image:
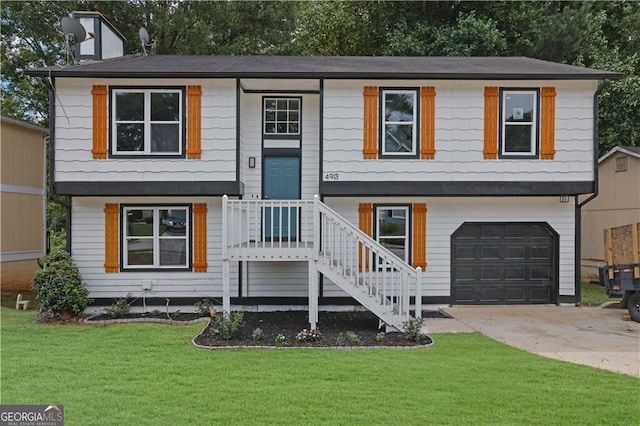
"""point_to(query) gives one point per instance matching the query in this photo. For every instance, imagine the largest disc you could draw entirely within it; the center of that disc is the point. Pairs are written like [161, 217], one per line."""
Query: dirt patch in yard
[341, 329]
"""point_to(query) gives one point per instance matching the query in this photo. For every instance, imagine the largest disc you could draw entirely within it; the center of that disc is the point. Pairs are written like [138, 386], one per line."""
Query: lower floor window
[392, 229]
[156, 237]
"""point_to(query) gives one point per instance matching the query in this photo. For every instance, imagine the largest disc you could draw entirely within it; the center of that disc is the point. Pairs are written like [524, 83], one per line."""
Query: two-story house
[438, 180]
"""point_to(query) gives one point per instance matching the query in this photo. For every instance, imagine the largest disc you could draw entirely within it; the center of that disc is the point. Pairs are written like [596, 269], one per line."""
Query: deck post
[313, 294]
[226, 293]
[418, 303]
[316, 226]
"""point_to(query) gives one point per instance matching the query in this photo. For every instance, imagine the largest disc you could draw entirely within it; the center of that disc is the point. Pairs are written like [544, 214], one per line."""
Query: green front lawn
[148, 374]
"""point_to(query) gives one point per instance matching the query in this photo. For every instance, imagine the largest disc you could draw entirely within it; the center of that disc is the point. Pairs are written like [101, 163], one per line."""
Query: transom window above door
[281, 116]
[147, 121]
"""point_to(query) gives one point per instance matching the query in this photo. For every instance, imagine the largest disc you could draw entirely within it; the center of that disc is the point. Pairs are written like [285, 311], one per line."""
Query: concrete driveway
[595, 337]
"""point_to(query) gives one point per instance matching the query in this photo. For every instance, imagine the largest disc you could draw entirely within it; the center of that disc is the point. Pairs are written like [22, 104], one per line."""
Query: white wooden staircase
[312, 231]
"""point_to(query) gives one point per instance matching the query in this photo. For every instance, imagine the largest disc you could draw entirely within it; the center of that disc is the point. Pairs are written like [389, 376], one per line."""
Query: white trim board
[16, 256]
[19, 189]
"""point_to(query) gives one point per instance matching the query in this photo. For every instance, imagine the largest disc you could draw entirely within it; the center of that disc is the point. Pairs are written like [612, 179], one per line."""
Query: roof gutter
[596, 141]
[578, 206]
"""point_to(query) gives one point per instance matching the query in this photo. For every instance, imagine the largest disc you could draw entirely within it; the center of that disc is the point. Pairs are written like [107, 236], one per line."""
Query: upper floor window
[399, 122]
[281, 116]
[147, 121]
[156, 237]
[519, 123]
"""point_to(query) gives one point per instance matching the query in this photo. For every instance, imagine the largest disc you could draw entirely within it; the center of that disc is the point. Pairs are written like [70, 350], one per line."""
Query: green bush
[120, 308]
[59, 285]
[228, 325]
[413, 329]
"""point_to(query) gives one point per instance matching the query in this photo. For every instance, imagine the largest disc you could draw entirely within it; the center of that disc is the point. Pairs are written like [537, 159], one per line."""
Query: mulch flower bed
[338, 329]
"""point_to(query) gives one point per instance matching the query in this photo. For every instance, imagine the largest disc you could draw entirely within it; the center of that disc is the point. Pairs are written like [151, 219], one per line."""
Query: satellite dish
[144, 39]
[73, 29]
[144, 35]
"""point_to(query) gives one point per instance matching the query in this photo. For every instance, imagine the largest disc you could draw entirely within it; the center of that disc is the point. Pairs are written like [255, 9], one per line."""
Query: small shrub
[59, 285]
[340, 339]
[280, 339]
[204, 306]
[156, 313]
[413, 329]
[227, 325]
[309, 335]
[352, 337]
[380, 337]
[120, 308]
[257, 334]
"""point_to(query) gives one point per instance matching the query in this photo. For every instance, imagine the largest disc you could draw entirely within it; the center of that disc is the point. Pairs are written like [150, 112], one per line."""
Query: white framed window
[519, 123]
[281, 116]
[399, 122]
[156, 237]
[146, 121]
[392, 229]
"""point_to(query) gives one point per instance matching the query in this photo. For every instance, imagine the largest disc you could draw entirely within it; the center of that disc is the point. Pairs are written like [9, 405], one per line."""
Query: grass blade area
[594, 294]
[147, 374]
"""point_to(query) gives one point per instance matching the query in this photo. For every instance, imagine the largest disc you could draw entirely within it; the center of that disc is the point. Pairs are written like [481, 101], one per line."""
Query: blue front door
[281, 182]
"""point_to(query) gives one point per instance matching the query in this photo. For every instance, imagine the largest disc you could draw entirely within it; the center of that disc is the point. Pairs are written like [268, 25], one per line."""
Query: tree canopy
[603, 35]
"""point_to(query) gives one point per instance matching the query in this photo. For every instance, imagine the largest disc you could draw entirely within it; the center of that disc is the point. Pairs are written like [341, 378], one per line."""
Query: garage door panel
[537, 273]
[490, 253]
[491, 232]
[540, 252]
[489, 273]
[514, 294]
[515, 273]
[500, 263]
[514, 252]
[465, 252]
[466, 274]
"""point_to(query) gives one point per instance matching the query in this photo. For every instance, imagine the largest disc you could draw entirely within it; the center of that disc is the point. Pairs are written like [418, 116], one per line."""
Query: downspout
[579, 205]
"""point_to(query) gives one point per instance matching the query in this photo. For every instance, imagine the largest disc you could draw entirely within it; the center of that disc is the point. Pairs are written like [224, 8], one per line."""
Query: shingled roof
[329, 67]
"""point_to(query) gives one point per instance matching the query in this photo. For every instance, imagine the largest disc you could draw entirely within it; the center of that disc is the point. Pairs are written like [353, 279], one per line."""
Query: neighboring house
[22, 201]
[617, 204]
[468, 168]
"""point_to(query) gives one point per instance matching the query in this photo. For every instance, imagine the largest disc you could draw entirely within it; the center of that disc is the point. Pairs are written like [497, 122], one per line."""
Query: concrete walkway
[595, 337]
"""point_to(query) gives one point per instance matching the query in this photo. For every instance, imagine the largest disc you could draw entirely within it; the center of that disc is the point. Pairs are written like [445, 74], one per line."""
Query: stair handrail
[335, 216]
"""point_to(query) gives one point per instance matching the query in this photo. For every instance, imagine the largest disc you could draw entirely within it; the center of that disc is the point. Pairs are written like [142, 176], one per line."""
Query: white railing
[368, 265]
[267, 227]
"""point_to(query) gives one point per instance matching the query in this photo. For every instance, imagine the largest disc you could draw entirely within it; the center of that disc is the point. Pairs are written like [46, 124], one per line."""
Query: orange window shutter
[548, 124]
[194, 122]
[370, 148]
[111, 238]
[491, 123]
[419, 240]
[365, 223]
[428, 123]
[100, 117]
[200, 237]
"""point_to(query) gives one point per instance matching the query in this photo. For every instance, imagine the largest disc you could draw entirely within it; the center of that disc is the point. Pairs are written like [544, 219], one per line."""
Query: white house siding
[277, 279]
[459, 133]
[87, 237]
[73, 158]
[445, 215]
